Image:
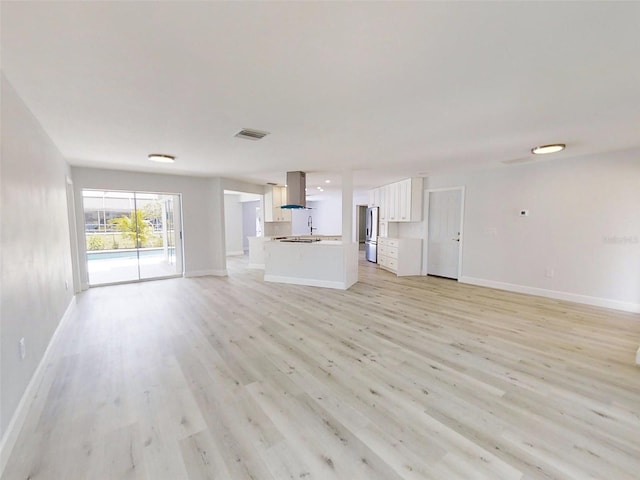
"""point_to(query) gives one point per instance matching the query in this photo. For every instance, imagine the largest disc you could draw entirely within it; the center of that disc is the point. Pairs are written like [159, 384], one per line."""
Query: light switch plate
[23, 348]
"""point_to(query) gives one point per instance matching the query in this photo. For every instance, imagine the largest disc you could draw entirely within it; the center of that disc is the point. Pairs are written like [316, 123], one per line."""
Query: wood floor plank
[397, 378]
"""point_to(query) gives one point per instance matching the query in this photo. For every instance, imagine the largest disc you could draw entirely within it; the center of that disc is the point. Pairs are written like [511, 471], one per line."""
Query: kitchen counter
[327, 263]
[257, 249]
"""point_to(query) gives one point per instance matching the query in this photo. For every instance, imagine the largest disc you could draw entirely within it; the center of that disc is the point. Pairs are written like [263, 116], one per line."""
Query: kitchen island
[256, 246]
[325, 263]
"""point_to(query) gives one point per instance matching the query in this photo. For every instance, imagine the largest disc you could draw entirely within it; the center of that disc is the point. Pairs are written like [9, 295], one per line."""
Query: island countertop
[315, 242]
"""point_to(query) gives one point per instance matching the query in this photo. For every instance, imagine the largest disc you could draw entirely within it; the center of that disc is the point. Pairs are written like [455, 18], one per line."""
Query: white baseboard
[206, 273]
[542, 292]
[235, 253]
[17, 421]
[310, 282]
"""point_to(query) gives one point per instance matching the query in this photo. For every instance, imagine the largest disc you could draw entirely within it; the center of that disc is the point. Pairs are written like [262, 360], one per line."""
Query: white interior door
[443, 251]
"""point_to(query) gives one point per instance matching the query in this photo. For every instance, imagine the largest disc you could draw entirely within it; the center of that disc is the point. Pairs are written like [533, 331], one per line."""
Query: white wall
[240, 186]
[300, 219]
[361, 197]
[202, 209]
[326, 212]
[584, 223]
[249, 218]
[233, 224]
[35, 247]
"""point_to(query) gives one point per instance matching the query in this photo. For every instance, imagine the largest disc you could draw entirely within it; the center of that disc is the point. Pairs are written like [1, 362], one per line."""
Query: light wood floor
[413, 378]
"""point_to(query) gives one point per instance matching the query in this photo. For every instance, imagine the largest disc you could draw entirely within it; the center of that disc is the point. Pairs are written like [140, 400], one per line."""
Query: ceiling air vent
[251, 134]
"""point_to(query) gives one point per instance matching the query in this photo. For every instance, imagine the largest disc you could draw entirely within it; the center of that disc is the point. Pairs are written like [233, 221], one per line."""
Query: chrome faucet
[310, 225]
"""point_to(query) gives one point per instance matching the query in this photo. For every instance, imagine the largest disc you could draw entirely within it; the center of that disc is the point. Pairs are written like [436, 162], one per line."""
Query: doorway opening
[361, 222]
[242, 221]
[131, 236]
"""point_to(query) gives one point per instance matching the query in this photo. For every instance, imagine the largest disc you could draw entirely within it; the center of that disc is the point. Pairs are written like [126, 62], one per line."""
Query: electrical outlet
[549, 272]
[23, 348]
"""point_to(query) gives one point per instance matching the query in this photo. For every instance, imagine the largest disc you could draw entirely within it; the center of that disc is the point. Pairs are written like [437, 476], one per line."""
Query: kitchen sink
[301, 240]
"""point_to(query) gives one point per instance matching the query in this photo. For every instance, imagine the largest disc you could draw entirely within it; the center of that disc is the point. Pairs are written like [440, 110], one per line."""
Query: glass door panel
[159, 258]
[131, 236]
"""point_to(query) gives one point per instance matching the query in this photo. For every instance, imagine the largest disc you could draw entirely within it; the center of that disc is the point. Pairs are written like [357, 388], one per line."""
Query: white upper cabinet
[274, 198]
[400, 201]
[390, 199]
[384, 204]
[404, 200]
[374, 197]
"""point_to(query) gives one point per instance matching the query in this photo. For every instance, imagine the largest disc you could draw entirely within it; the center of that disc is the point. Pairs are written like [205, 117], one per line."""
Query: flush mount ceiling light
[327, 181]
[544, 149]
[161, 158]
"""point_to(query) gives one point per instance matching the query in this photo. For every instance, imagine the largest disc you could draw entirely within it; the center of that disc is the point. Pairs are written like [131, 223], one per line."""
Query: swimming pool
[128, 253]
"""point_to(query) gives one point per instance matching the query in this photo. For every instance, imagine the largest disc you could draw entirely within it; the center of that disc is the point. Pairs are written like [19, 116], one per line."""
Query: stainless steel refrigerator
[371, 238]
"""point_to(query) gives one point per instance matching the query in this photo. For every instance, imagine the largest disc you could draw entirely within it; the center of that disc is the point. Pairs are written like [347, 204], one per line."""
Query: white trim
[141, 280]
[17, 421]
[638, 357]
[542, 292]
[206, 273]
[235, 253]
[310, 282]
[425, 248]
[259, 266]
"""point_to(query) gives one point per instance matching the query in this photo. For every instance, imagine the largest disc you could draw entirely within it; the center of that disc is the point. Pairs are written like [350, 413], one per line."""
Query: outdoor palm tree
[133, 227]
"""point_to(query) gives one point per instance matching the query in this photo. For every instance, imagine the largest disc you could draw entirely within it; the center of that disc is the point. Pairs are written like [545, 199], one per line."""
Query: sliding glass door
[131, 236]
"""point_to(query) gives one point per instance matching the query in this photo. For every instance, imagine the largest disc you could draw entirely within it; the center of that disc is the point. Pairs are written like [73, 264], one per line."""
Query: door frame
[73, 237]
[425, 248]
[81, 233]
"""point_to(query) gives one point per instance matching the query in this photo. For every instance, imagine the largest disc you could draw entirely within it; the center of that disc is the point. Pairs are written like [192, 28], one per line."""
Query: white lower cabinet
[402, 256]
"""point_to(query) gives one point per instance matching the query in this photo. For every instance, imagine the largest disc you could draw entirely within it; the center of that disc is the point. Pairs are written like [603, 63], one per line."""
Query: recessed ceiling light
[161, 158]
[544, 149]
[327, 181]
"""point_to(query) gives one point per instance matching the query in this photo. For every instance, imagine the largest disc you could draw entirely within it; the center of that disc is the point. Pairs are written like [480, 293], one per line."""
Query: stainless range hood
[296, 186]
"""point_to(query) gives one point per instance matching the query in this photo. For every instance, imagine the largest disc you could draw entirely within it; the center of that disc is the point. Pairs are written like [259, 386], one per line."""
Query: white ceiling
[385, 89]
